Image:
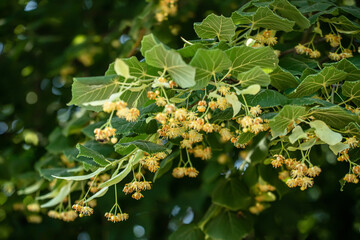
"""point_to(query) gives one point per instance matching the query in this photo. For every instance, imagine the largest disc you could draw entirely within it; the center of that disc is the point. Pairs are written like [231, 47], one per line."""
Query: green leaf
[343, 24]
[282, 79]
[229, 226]
[171, 61]
[334, 116]
[98, 194]
[336, 148]
[314, 82]
[188, 232]
[118, 177]
[96, 89]
[266, 98]
[353, 73]
[244, 138]
[289, 11]
[190, 50]
[254, 76]
[82, 177]
[62, 194]
[166, 165]
[235, 103]
[126, 150]
[215, 26]
[325, 134]
[245, 58]
[136, 69]
[251, 90]
[286, 117]
[296, 65]
[304, 146]
[297, 133]
[130, 96]
[305, 101]
[265, 18]
[352, 90]
[89, 153]
[121, 68]
[316, 7]
[31, 189]
[208, 63]
[146, 146]
[232, 194]
[149, 41]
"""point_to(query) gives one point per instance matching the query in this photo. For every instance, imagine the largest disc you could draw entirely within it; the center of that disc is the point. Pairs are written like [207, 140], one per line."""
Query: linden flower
[333, 39]
[133, 115]
[246, 122]
[284, 175]
[137, 196]
[356, 170]
[351, 178]
[225, 134]
[181, 114]
[194, 136]
[191, 172]
[271, 41]
[108, 107]
[300, 49]
[120, 105]
[179, 172]
[208, 128]
[151, 95]
[201, 108]
[186, 143]
[161, 118]
[170, 108]
[259, 38]
[212, 105]
[305, 182]
[222, 103]
[291, 183]
[334, 56]
[313, 171]
[223, 90]
[267, 33]
[122, 113]
[276, 163]
[160, 101]
[315, 54]
[255, 110]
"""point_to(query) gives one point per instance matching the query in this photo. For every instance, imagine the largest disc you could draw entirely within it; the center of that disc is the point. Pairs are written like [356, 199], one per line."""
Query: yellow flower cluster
[151, 162]
[105, 135]
[300, 174]
[137, 187]
[122, 111]
[116, 218]
[67, 216]
[333, 39]
[83, 210]
[347, 53]
[201, 152]
[265, 38]
[301, 49]
[180, 172]
[166, 8]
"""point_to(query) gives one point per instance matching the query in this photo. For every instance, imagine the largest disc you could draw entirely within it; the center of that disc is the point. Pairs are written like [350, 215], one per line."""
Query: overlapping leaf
[215, 26]
[265, 18]
[208, 63]
[314, 82]
[289, 11]
[171, 61]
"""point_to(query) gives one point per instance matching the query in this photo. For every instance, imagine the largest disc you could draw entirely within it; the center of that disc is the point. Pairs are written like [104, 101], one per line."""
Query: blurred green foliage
[43, 44]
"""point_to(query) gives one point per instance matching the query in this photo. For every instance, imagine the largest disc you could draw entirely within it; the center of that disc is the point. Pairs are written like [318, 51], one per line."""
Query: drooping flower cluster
[181, 172]
[137, 187]
[151, 162]
[67, 216]
[333, 39]
[268, 38]
[82, 210]
[300, 174]
[119, 217]
[301, 49]
[262, 195]
[346, 53]
[105, 135]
